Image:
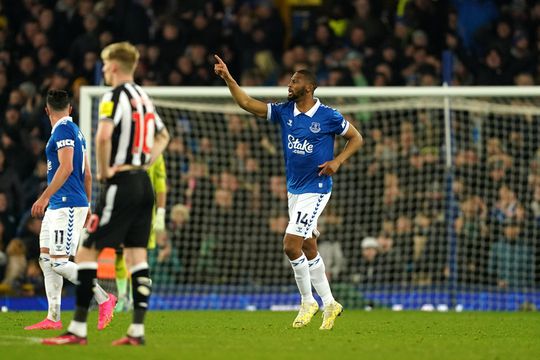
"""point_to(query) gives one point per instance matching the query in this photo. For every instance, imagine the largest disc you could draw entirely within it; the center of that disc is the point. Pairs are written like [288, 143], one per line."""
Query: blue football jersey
[66, 133]
[308, 141]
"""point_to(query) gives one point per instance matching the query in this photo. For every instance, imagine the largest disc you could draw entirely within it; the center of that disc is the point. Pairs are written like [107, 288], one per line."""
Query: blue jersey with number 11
[308, 141]
[66, 133]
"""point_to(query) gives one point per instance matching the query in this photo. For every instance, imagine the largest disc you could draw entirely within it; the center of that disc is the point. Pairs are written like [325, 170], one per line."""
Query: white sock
[67, 269]
[77, 328]
[317, 273]
[99, 294]
[136, 330]
[53, 287]
[301, 275]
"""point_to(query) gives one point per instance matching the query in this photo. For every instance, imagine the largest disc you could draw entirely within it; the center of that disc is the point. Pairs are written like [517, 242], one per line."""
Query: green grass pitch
[269, 335]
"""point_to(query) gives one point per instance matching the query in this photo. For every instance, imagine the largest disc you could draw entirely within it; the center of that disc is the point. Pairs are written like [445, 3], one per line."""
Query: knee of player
[58, 264]
[291, 251]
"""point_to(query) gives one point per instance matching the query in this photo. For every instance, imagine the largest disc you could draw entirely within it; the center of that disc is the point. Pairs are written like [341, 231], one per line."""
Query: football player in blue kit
[308, 131]
[65, 207]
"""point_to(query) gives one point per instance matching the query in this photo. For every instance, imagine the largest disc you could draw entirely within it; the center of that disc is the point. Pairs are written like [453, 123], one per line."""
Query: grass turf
[268, 335]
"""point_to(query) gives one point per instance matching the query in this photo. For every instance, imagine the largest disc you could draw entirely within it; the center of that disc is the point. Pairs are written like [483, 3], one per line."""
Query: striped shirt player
[308, 131]
[125, 205]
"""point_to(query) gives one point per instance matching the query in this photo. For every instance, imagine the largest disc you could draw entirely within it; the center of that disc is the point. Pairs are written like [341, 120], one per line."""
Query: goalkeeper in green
[158, 177]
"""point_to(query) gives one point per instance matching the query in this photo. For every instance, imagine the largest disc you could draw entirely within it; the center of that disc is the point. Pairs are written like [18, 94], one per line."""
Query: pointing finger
[218, 59]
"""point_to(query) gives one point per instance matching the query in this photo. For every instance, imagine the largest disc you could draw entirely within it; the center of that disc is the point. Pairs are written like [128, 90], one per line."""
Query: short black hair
[57, 100]
[310, 77]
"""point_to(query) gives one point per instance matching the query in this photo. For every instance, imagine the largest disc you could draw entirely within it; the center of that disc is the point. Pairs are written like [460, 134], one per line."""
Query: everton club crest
[315, 127]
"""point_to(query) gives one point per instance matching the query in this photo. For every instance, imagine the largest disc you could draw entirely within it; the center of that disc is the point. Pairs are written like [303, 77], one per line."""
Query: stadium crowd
[227, 195]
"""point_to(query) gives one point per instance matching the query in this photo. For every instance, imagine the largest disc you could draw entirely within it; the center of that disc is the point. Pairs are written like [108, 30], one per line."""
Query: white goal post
[446, 192]
[168, 92]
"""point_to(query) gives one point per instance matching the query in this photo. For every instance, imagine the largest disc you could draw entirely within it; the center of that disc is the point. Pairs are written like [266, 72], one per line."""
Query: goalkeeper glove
[159, 220]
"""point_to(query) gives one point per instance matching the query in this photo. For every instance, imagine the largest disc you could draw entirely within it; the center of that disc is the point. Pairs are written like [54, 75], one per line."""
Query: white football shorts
[61, 230]
[304, 211]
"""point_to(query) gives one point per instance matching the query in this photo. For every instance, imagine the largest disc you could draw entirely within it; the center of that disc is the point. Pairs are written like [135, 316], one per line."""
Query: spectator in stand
[472, 231]
[389, 259]
[8, 217]
[493, 70]
[86, 42]
[16, 265]
[172, 43]
[365, 268]
[511, 259]
[182, 238]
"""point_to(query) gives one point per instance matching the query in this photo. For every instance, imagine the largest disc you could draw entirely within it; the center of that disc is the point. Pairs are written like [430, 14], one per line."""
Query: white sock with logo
[66, 269]
[317, 272]
[53, 287]
[301, 275]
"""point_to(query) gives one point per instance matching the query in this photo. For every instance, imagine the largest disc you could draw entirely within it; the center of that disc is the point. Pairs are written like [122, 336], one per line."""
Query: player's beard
[295, 95]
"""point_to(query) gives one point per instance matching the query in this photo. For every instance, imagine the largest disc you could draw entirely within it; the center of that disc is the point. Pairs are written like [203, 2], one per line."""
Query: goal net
[439, 210]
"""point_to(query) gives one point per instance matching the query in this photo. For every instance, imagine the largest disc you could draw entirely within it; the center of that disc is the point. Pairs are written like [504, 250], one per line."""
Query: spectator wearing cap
[354, 63]
[365, 269]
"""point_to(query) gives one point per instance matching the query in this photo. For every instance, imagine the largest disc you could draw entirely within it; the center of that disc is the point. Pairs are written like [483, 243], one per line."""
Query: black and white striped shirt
[135, 123]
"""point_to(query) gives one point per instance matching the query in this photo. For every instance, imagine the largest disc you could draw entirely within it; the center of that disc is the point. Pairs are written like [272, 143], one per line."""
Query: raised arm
[246, 102]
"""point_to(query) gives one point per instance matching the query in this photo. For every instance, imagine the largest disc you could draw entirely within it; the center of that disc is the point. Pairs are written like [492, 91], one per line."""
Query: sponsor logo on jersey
[289, 122]
[66, 142]
[49, 165]
[299, 147]
[343, 124]
[315, 127]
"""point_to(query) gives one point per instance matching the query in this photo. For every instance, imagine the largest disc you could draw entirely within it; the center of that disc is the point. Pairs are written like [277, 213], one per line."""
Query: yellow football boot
[307, 310]
[330, 313]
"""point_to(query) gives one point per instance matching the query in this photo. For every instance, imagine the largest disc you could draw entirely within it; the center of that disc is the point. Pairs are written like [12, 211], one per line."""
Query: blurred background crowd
[56, 44]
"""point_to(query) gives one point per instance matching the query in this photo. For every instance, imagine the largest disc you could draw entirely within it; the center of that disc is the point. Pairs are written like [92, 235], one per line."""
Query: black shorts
[123, 214]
